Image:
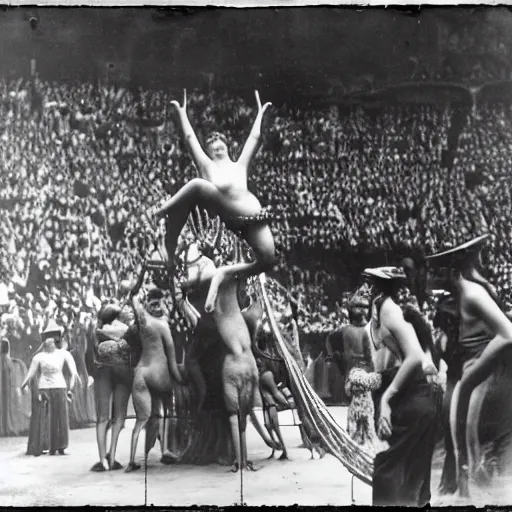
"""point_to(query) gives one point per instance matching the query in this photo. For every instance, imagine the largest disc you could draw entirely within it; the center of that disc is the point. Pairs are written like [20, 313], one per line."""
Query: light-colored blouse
[51, 365]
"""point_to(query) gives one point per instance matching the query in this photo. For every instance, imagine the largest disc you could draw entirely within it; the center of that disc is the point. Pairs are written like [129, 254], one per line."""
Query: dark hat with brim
[386, 273]
[448, 257]
[155, 294]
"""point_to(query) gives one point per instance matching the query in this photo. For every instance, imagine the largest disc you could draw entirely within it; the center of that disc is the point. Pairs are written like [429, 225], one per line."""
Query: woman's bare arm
[201, 159]
[483, 306]
[408, 344]
[252, 142]
[34, 365]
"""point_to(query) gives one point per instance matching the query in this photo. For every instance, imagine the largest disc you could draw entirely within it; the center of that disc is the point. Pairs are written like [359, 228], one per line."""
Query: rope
[355, 459]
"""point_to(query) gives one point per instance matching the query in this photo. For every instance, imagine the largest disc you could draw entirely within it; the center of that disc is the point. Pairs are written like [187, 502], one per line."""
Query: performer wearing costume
[484, 332]
[221, 190]
[407, 403]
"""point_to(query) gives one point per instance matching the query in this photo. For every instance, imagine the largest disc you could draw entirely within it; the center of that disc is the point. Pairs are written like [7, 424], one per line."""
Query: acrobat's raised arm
[251, 145]
[200, 157]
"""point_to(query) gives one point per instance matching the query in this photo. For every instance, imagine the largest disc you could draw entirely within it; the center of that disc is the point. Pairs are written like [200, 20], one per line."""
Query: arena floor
[67, 481]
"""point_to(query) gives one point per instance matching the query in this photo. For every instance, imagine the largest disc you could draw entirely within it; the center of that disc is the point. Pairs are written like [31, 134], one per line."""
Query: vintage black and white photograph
[255, 256]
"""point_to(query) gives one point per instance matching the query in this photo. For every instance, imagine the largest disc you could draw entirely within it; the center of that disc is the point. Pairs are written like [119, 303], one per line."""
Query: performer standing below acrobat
[221, 190]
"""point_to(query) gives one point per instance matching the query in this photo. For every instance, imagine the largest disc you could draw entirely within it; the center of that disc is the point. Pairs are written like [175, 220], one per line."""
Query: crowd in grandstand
[80, 165]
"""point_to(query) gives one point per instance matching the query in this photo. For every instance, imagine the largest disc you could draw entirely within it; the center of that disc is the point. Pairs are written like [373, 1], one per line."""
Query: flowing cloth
[14, 408]
[401, 475]
[49, 424]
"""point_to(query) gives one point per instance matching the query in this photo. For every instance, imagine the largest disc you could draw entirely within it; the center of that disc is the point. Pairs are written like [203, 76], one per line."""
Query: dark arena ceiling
[315, 51]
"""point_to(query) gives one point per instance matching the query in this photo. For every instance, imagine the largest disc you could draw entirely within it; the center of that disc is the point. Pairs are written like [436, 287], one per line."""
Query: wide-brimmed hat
[52, 329]
[387, 273]
[447, 257]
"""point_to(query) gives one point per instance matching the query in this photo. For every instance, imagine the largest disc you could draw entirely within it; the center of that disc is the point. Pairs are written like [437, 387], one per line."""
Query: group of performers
[396, 365]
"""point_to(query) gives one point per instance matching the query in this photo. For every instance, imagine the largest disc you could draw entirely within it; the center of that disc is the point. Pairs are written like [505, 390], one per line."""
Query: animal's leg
[121, 397]
[102, 392]
[260, 239]
[461, 469]
[142, 404]
[246, 463]
[235, 436]
[477, 469]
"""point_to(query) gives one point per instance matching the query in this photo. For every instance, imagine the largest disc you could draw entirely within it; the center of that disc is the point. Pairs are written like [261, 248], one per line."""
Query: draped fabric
[14, 407]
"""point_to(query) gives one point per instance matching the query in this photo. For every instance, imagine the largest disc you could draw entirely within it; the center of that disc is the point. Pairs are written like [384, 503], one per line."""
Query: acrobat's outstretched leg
[197, 192]
[260, 239]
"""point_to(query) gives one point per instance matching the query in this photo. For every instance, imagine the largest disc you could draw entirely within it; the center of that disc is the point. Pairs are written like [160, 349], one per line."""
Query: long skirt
[402, 472]
[49, 423]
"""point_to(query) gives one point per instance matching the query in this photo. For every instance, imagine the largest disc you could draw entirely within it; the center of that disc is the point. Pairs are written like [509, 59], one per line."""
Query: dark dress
[402, 473]
[49, 423]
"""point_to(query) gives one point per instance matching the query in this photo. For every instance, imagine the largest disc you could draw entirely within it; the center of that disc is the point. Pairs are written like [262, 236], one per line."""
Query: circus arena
[256, 256]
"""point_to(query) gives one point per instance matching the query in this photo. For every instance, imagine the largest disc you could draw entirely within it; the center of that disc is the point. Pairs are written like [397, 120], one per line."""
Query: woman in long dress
[484, 333]
[407, 403]
[221, 190]
[49, 425]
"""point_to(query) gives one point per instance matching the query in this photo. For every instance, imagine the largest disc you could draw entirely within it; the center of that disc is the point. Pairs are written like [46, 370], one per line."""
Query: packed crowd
[81, 164]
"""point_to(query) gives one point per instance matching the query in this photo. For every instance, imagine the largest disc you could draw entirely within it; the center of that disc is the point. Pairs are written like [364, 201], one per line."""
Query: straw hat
[448, 257]
[387, 273]
[51, 330]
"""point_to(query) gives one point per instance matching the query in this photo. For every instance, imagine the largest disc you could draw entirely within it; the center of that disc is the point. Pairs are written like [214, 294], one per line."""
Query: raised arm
[251, 144]
[200, 157]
